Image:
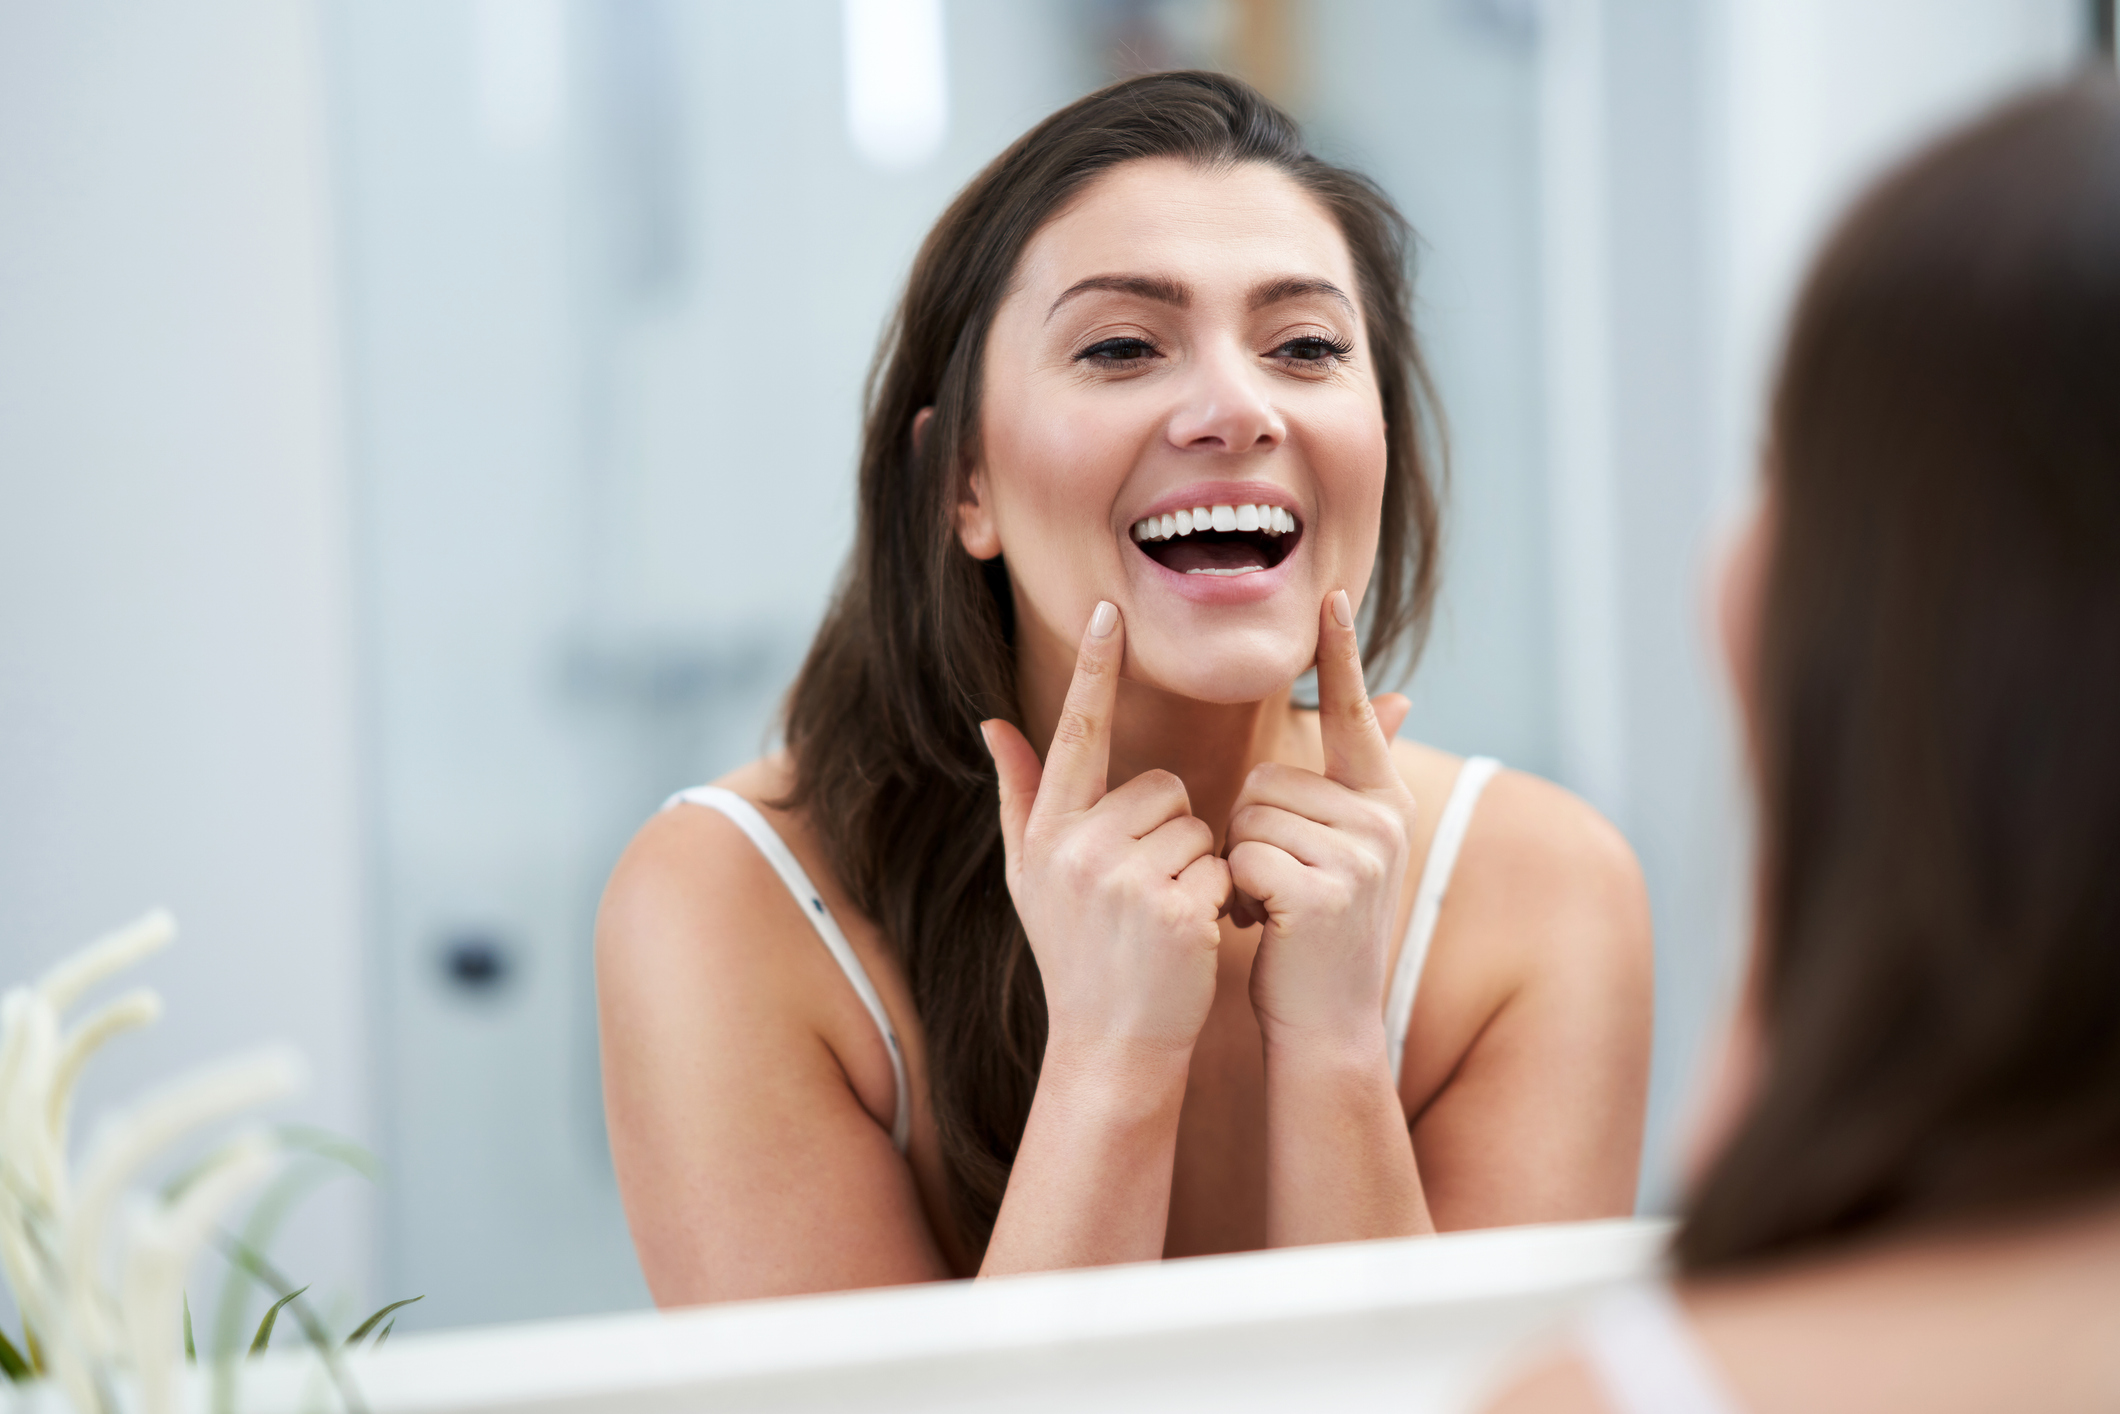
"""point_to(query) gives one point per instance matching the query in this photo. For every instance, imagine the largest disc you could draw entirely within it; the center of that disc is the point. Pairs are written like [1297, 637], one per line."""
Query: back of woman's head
[883, 722]
[1938, 711]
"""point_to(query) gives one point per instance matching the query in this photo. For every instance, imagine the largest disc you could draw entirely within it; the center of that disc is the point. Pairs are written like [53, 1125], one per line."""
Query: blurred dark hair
[1939, 707]
[915, 651]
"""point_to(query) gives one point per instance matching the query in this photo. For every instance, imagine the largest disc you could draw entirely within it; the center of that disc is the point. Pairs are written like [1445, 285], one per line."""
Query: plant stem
[253, 1264]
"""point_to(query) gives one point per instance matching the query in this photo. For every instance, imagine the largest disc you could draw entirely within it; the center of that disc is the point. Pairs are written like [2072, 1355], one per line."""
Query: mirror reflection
[633, 316]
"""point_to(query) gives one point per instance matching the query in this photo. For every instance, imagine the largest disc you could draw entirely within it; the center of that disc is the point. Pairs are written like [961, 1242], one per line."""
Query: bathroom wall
[177, 713]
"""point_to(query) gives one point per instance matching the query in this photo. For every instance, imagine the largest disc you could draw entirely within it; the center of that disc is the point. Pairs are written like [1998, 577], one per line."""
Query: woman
[1146, 435]
[1919, 1206]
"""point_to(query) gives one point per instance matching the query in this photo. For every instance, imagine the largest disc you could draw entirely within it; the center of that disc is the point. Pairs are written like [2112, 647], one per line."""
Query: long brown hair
[1938, 716]
[916, 650]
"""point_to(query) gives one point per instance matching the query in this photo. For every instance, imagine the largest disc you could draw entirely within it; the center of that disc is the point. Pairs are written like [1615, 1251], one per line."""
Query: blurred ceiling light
[519, 54]
[898, 101]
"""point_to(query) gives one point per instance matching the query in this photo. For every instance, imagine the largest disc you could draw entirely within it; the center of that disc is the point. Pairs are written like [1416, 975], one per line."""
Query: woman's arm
[754, 1159]
[1546, 935]
[1538, 1115]
[1120, 894]
[1091, 1182]
[1320, 860]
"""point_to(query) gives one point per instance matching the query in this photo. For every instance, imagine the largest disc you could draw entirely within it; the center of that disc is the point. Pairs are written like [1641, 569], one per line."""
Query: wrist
[1113, 1078]
[1354, 1045]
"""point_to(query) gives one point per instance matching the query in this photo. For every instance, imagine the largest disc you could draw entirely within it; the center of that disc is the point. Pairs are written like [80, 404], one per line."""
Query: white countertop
[1416, 1324]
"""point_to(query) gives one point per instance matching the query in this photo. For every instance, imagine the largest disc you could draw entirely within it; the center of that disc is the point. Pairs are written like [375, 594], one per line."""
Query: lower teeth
[1241, 569]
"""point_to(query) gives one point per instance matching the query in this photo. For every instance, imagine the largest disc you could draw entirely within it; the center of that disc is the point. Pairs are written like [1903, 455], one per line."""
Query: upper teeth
[1272, 520]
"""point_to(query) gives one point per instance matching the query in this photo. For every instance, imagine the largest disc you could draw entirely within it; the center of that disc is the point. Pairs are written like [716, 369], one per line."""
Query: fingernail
[1341, 609]
[986, 736]
[1100, 623]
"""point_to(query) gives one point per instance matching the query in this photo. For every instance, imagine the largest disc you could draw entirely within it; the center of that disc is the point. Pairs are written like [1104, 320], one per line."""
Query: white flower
[55, 1233]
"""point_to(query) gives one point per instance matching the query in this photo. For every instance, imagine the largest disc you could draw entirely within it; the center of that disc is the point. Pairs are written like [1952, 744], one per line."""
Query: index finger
[1356, 753]
[1079, 758]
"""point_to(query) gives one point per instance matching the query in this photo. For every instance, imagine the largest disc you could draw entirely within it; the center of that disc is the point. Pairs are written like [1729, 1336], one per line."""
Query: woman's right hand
[1119, 891]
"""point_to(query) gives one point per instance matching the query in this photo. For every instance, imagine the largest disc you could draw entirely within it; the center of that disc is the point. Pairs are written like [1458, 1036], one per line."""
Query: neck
[1211, 746]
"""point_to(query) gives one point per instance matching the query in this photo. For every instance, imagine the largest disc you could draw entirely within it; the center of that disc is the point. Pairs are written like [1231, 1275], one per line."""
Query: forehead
[1210, 226]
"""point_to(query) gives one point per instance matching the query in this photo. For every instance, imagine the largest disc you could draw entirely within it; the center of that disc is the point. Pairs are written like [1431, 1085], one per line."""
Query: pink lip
[1212, 588]
[1219, 493]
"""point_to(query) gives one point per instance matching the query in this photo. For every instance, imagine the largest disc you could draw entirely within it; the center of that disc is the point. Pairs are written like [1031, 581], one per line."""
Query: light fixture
[897, 80]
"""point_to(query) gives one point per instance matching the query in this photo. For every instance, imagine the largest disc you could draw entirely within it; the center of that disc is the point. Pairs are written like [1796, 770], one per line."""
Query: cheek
[1739, 600]
[1350, 458]
[1055, 469]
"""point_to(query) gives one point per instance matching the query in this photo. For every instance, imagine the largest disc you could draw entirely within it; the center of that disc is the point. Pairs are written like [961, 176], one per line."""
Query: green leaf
[272, 1313]
[251, 1263]
[368, 1325]
[191, 1351]
[271, 1209]
[11, 1362]
[326, 1145]
[385, 1334]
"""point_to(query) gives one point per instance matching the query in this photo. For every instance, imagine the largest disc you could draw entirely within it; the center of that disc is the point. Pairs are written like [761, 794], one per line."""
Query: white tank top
[1646, 1359]
[1450, 829]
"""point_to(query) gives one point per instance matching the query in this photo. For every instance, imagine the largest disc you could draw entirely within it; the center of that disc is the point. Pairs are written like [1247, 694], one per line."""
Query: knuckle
[1074, 729]
[1077, 857]
[1384, 822]
[1163, 785]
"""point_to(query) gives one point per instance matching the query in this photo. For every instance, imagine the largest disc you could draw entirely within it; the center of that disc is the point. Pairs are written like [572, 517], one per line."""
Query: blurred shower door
[615, 270]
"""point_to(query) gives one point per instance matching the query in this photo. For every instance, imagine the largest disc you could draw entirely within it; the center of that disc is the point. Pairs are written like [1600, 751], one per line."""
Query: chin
[1222, 668]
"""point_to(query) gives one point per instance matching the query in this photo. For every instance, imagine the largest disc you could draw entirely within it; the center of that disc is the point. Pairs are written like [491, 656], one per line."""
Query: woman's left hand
[1320, 859]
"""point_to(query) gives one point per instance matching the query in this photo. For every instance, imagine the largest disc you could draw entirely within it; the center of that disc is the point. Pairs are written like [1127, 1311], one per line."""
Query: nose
[1224, 408]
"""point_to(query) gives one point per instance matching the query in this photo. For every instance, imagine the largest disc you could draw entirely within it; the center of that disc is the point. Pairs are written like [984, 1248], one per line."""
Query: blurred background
[426, 441]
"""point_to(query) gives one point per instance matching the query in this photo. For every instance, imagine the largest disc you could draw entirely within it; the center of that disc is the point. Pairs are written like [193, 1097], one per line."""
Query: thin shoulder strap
[1644, 1353]
[1472, 778]
[790, 870]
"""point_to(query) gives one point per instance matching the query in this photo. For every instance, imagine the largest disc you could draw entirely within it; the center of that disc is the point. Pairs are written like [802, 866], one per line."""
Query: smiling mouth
[1219, 540]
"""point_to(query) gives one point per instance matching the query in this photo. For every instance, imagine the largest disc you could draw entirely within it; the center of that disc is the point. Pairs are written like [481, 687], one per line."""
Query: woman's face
[1176, 341]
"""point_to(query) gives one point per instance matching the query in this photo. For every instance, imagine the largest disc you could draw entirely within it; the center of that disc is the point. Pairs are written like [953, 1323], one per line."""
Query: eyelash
[1103, 353]
[1096, 353]
[1336, 350]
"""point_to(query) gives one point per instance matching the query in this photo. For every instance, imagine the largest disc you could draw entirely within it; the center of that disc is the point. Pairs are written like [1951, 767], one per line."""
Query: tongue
[1196, 554]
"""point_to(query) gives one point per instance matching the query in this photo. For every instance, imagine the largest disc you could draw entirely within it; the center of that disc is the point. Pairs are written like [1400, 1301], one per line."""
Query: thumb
[1391, 709]
[1018, 768]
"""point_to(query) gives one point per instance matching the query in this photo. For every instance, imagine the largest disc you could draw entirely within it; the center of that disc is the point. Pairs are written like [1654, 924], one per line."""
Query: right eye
[1120, 350]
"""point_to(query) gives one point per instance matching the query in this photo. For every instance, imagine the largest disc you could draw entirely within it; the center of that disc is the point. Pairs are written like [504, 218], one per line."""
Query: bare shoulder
[1546, 884]
[691, 884]
[1550, 843]
[1561, 1386]
[1529, 840]
[701, 950]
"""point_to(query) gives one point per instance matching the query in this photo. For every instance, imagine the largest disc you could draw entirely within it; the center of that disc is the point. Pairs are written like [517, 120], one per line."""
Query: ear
[976, 530]
[975, 521]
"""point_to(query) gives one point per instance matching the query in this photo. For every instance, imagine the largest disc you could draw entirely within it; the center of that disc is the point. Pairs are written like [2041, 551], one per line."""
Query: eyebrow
[1164, 290]
[1159, 288]
[1297, 287]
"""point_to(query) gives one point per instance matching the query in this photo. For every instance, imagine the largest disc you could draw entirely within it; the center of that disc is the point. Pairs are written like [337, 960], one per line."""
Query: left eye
[1312, 348]
[1120, 350]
